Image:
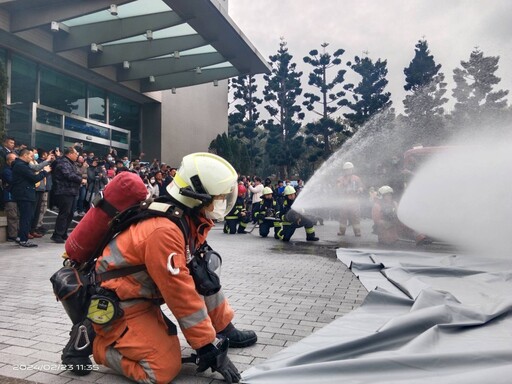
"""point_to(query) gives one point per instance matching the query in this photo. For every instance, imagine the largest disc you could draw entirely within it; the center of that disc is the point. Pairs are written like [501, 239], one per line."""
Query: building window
[62, 92]
[23, 80]
[97, 104]
[125, 114]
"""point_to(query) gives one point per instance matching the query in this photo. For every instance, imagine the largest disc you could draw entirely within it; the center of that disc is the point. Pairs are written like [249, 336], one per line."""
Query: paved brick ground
[283, 291]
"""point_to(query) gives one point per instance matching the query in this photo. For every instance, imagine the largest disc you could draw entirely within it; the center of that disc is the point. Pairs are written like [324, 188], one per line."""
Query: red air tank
[124, 191]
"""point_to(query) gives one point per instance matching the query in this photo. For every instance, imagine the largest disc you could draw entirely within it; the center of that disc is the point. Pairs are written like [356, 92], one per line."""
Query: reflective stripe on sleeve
[213, 301]
[193, 319]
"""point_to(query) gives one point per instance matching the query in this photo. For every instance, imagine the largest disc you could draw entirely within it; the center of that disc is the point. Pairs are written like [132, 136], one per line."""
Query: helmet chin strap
[203, 197]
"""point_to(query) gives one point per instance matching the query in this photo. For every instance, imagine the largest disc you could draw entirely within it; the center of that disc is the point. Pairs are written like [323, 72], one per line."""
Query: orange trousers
[138, 346]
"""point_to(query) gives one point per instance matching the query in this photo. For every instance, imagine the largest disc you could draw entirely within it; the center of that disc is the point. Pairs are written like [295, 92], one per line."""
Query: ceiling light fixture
[113, 10]
[95, 48]
[55, 26]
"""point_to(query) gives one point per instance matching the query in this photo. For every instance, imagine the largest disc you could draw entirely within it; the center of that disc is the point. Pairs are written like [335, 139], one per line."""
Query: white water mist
[463, 196]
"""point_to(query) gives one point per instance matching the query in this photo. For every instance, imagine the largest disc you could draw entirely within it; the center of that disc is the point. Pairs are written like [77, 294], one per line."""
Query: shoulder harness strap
[145, 210]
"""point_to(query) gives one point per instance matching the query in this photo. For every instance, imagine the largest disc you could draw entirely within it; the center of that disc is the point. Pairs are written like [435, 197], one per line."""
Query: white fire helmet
[203, 178]
[267, 191]
[289, 190]
[348, 165]
[385, 189]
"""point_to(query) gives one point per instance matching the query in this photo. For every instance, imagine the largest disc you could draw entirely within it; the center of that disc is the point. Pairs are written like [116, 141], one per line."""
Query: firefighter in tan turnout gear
[351, 190]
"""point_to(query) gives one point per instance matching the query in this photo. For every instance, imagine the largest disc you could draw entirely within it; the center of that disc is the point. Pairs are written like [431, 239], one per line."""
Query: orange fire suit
[351, 187]
[138, 345]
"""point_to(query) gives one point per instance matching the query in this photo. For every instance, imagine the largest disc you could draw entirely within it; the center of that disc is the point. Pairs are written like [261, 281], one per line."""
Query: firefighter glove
[215, 356]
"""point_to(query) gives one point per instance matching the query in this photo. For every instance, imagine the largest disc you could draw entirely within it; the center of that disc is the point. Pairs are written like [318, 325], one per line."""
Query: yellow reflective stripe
[310, 230]
[193, 319]
[178, 180]
[213, 301]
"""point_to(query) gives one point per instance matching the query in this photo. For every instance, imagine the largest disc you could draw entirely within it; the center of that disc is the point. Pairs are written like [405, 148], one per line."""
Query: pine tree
[284, 143]
[474, 84]
[243, 123]
[232, 150]
[369, 96]
[326, 102]
[424, 105]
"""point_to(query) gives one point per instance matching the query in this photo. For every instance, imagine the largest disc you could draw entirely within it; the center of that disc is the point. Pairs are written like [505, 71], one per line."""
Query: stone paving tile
[43, 377]
[19, 342]
[7, 370]
[284, 292]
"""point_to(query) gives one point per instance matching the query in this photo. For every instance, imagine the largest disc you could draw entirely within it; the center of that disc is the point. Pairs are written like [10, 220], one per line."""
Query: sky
[385, 29]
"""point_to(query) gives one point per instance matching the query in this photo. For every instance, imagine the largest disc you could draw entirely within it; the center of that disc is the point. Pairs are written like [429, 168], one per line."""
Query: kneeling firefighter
[385, 219]
[268, 214]
[238, 216]
[176, 266]
[291, 220]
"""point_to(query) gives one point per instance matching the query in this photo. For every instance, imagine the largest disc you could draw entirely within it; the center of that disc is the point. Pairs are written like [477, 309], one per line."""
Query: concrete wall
[191, 119]
[151, 131]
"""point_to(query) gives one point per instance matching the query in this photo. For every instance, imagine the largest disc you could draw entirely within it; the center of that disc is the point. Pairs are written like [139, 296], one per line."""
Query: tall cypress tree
[284, 144]
[474, 90]
[326, 101]
[232, 150]
[368, 96]
[243, 123]
[424, 104]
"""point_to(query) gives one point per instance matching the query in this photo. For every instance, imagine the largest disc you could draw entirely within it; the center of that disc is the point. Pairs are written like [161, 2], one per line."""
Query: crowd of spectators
[34, 180]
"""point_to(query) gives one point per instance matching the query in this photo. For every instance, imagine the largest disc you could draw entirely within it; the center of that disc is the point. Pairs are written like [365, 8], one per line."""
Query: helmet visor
[222, 204]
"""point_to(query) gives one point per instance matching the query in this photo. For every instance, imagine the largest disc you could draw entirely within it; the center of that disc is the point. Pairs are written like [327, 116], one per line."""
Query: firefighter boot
[310, 234]
[311, 237]
[75, 355]
[237, 338]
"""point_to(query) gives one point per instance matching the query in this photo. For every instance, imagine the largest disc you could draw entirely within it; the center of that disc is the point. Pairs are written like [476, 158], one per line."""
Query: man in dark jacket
[10, 207]
[24, 192]
[66, 183]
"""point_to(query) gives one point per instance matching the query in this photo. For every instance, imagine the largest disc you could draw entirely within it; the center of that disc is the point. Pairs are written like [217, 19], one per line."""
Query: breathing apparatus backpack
[78, 286]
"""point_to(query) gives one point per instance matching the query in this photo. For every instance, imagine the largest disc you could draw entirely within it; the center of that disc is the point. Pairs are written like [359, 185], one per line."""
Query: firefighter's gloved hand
[215, 356]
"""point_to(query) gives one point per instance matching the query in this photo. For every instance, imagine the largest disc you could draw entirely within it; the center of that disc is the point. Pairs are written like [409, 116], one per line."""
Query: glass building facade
[48, 109]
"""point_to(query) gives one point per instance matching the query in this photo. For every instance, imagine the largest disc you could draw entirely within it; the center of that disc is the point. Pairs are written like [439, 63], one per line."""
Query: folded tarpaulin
[431, 318]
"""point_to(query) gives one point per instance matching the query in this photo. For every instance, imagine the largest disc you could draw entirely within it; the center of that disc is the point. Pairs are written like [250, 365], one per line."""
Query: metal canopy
[159, 44]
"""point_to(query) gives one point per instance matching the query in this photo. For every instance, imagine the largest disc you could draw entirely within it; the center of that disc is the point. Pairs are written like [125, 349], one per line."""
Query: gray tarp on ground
[428, 318]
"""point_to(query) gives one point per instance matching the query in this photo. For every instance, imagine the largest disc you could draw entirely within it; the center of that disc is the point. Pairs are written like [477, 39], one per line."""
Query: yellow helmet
[267, 191]
[202, 176]
[289, 190]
